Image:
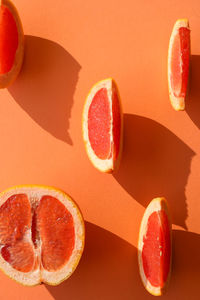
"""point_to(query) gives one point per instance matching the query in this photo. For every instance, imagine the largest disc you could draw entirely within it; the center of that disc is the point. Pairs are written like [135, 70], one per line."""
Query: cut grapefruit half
[11, 43]
[41, 235]
[103, 125]
[154, 247]
[179, 63]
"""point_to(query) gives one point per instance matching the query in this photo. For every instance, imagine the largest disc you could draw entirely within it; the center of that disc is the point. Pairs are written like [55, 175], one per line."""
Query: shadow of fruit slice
[154, 247]
[41, 235]
[103, 125]
[11, 43]
[178, 63]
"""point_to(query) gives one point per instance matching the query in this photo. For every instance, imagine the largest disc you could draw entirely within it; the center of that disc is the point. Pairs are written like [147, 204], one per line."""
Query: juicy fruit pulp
[37, 233]
[8, 39]
[180, 62]
[99, 124]
[104, 124]
[156, 252]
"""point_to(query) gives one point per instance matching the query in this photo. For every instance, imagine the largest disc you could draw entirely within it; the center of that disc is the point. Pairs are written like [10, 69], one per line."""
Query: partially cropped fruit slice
[11, 43]
[179, 63]
[103, 125]
[41, 235]
[154, 247]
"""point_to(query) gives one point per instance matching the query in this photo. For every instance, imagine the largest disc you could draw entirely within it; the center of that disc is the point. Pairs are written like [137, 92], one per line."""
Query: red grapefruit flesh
[157, 238]
[11, 43]
[19, 255]
[154, 247]
[179, 63]
[99, 124]
[41, 235]
[56, 228]
[103, 125]
[8, 40]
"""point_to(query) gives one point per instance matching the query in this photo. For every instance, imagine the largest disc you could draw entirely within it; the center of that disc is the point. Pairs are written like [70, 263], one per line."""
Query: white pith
[101, 164]
[40, 274]
[156, 204]
[178, 103]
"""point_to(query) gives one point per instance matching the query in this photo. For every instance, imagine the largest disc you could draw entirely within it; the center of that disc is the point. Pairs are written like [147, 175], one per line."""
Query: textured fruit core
[180, 62]
[8, 39]
[99, 124]
[37, 230]
[156, 252]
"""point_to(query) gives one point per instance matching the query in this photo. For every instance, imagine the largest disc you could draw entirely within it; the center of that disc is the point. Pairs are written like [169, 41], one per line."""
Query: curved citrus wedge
[178, 63]
[11, 43]
[103, 125]
[154, 247]
[41, 235]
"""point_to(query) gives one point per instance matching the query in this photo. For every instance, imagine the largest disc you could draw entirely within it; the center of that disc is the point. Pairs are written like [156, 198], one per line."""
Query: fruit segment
[154, 247]
[178, 63]
[15, 218]
[41, 232]
[56, 230]
[20, 255]
[11, 43]
[15, 222]
[8, 39]
[99, 124]
[103, 125]
[156, 251]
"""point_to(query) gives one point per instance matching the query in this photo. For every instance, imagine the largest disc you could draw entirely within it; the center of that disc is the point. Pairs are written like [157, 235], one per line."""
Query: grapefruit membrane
[41, 235]
[102, 125]
[154, 247]
[11, 43]
[179, 63]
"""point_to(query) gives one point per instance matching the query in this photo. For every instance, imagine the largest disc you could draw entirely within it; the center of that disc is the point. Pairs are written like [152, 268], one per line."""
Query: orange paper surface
[70, 45]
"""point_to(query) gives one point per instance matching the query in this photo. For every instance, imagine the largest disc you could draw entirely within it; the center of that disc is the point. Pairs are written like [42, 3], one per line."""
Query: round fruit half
[41, 235]
[179, 63]
[103, 125]
[11, 43]
[154, 247]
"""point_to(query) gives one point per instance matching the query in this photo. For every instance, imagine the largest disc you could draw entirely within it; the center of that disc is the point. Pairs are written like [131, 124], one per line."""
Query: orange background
[69, 46]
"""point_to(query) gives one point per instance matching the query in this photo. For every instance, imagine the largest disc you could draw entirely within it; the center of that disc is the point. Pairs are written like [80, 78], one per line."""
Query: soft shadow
[46, 85]
[108, 270]
[192, 103]
[155, 162]
[184, 282]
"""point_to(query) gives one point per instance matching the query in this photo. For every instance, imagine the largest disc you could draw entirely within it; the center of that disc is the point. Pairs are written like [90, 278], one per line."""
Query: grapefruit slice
[178, 63]
[103, 125]
[41, 235]
[11, 43]
[154, 247]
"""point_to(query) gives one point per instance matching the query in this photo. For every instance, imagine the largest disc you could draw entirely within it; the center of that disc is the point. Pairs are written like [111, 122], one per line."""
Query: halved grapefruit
[179, 63]
[103, 125]
[41, 235]
[11, 43]
[154, 247]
